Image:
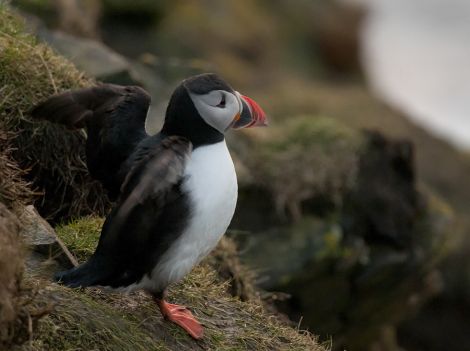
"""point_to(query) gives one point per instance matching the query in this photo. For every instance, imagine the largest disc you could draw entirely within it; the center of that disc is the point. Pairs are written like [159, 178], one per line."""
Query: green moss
[435, 230]
[81, 235]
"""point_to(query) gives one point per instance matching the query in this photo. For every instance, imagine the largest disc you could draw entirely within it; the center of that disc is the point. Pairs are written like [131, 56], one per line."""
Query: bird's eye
[222, 102]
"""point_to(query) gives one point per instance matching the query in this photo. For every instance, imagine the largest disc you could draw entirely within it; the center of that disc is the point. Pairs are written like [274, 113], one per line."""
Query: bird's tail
[86, 274]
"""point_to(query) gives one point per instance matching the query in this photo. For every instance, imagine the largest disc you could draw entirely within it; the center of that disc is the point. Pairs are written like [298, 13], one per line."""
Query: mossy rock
[372, 279]
[304, 157]
[375, 286]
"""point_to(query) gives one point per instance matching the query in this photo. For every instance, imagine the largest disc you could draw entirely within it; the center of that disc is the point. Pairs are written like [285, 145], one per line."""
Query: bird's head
[205, 107]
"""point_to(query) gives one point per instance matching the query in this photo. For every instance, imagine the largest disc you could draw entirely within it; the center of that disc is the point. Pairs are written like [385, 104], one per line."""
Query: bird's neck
[198, 134]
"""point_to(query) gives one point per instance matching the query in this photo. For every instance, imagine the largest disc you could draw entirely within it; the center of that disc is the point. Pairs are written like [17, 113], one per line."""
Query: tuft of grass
[226, 262]
[81, 235]
[54, 158]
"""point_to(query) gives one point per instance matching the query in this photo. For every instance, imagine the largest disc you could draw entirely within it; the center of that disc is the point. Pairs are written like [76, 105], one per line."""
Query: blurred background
[354, 203]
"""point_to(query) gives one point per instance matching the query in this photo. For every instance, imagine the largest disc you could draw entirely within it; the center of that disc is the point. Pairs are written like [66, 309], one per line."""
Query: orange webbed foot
[183, 317]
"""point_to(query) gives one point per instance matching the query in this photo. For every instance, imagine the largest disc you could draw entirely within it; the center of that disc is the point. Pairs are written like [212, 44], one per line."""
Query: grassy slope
[94, 319]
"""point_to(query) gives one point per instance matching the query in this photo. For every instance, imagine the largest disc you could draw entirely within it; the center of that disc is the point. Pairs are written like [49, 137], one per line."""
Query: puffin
[174, 193]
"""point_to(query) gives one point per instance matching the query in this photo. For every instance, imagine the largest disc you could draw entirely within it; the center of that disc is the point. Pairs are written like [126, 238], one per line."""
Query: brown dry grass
[13, 190]
[53, 157]
[239, 279]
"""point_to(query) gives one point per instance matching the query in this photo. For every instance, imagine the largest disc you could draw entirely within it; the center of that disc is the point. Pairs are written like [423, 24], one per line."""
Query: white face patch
[217, 108]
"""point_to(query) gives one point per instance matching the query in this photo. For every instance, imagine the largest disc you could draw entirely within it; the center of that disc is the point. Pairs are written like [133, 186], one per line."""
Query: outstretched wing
[114, 117]
[142, 225]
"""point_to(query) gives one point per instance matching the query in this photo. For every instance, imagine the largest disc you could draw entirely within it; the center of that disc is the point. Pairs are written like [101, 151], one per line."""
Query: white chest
[211, 185]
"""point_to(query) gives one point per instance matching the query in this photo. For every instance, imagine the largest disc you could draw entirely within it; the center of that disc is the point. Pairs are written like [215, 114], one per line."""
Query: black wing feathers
[164, 163]
[73, 108]
[114, 117]
[152, 176]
